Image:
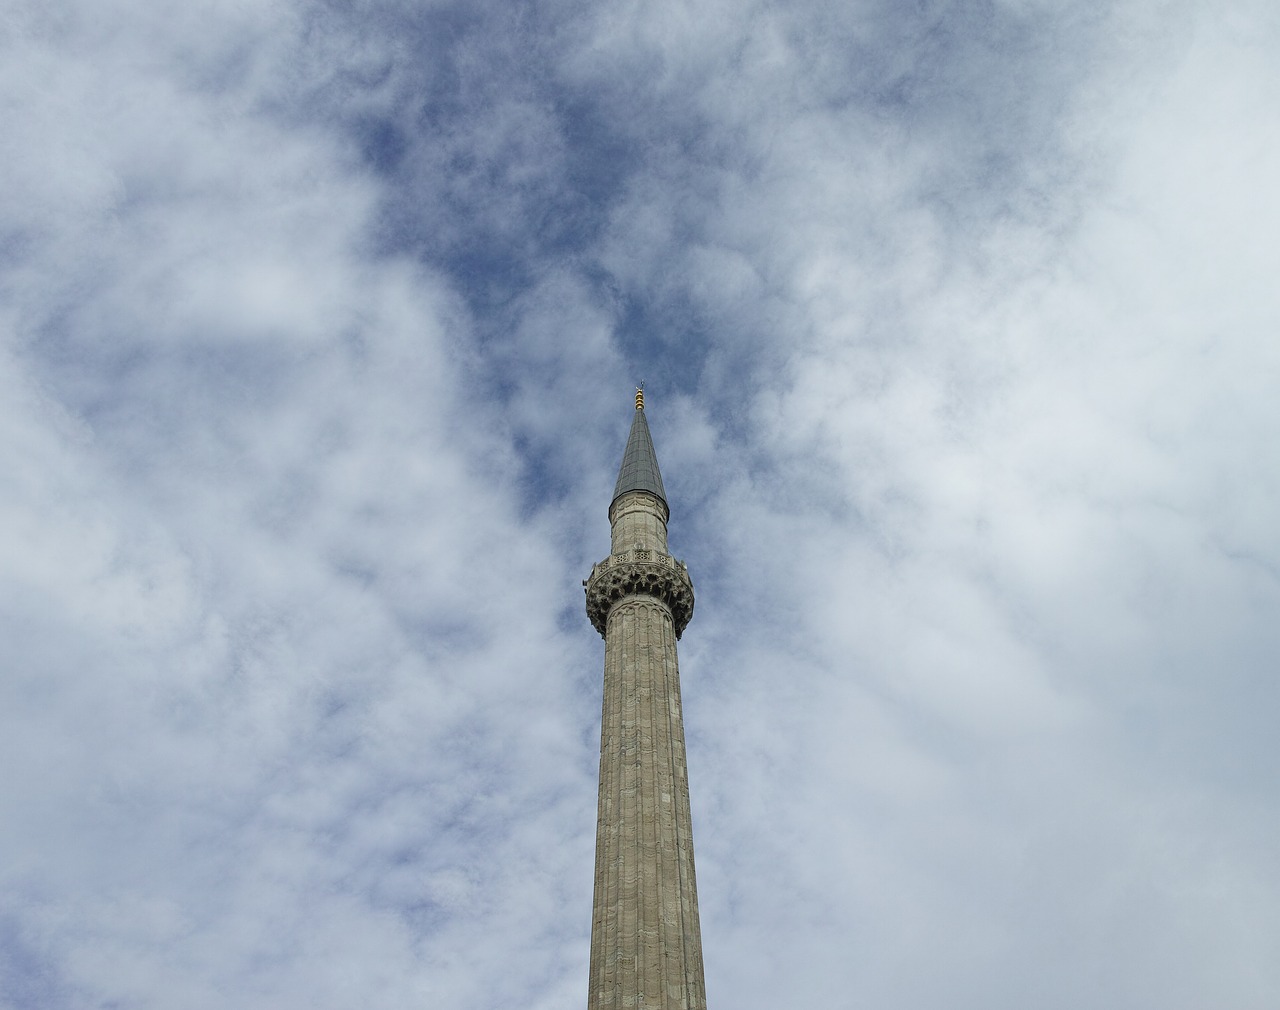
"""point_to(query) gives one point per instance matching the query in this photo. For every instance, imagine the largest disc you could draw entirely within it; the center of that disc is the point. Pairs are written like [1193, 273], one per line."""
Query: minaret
[646, 948]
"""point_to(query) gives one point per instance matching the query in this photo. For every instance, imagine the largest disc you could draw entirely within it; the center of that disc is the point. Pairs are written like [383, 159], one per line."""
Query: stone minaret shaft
[646, 948]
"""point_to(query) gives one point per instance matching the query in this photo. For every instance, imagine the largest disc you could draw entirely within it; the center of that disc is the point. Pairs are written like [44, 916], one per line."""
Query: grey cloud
[319, 331]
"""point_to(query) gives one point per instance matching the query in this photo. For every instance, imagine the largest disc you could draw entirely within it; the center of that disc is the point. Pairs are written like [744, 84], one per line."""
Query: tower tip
[639, 397]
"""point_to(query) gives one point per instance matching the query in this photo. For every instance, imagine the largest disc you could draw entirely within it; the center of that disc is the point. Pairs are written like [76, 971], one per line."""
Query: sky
[319, 328]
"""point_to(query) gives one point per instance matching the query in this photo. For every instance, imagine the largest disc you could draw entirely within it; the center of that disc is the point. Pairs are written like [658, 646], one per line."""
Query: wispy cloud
[319, 329]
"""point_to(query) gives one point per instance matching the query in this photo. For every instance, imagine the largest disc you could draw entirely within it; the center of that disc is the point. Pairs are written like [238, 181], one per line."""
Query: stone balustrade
[639, 572]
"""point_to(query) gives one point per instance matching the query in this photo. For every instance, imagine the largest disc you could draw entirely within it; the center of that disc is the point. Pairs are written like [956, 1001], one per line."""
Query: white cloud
[319, 329]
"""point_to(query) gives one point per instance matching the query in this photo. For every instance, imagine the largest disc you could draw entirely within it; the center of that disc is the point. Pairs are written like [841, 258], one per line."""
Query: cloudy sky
[960, 329]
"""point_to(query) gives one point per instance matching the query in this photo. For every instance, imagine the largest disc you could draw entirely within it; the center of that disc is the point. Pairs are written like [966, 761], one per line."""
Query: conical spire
[639, 470]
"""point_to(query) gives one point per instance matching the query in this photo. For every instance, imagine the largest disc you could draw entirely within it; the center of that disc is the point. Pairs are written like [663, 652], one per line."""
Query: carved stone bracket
[645, 573]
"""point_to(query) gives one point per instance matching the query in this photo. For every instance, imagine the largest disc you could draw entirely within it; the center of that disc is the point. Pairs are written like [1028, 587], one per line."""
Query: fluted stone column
[646, 948]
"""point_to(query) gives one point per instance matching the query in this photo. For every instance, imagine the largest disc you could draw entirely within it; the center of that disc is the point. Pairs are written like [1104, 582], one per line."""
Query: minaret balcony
[639, 572]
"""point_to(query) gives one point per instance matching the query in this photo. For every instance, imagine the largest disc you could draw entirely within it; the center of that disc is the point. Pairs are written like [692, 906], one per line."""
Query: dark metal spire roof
[639, 470]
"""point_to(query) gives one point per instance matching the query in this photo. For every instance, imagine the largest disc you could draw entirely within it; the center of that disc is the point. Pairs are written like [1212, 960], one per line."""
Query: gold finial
[640, 397]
